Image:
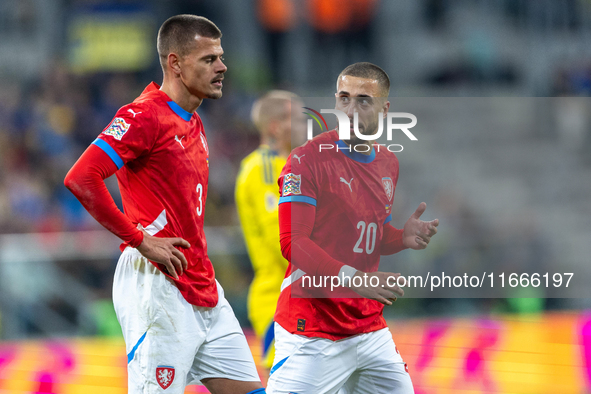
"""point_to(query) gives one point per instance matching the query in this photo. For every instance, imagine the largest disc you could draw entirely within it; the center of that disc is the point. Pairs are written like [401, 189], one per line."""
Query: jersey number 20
[370, 237]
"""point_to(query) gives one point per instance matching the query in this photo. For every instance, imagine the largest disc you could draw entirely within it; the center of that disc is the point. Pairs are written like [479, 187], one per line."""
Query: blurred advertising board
[537, 354]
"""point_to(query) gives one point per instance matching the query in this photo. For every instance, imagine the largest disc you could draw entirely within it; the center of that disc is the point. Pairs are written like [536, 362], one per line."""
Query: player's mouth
[217, 82]
[352, 127]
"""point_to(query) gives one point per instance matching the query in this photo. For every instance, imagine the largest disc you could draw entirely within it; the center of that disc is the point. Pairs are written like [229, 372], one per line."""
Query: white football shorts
[366, 363]
[171, 343]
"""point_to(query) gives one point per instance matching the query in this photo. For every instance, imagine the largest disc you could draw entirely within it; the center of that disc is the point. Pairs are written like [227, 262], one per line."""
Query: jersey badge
[388, 187]
[292, 184]
[347, 183]
[117, 128]
[164, 376]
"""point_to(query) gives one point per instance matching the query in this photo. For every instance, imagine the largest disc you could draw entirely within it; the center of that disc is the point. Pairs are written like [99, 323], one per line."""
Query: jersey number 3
[200, 193]
[370, 237]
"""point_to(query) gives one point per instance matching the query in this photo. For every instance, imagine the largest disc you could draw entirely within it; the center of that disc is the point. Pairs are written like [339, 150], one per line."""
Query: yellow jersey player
[257, 202]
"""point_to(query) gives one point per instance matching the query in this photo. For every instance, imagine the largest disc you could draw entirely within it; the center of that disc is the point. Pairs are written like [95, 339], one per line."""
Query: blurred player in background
[334, 216]
[279, 120]
[178, 327]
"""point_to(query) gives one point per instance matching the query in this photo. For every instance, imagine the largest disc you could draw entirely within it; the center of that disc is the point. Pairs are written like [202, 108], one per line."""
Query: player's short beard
[215, 95]
[356, 140]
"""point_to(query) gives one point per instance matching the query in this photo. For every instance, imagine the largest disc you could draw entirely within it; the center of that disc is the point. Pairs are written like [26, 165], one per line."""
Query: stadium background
[507, 201]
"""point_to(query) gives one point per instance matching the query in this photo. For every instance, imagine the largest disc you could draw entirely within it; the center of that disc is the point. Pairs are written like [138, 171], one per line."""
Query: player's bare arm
[417, 233]
[163, 251]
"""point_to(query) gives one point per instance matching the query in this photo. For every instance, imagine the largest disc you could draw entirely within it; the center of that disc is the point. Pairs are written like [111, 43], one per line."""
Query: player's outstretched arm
[417, 233]
[387, 290]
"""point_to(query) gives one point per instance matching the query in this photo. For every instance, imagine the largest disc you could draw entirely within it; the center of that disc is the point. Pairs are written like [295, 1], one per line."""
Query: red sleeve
[86, 181]
[391, 241]
[131, 134]
[296, 221]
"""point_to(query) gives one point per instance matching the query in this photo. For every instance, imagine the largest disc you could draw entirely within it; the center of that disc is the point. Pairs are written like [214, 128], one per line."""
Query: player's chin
[215, 95]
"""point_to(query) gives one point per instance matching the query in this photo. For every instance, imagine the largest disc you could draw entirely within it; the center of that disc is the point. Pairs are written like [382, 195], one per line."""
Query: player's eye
[222, 58]
[344, 99]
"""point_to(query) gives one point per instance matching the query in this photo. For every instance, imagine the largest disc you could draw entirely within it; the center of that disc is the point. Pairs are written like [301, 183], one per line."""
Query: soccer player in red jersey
[178, 327]
[334, 219]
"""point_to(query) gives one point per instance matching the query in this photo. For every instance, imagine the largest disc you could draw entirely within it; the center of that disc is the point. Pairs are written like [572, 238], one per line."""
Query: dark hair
[369, 71]
[177, 34]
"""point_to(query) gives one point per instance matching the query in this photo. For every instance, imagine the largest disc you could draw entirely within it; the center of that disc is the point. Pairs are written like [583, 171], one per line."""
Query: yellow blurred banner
[535, 354]
[111, 42]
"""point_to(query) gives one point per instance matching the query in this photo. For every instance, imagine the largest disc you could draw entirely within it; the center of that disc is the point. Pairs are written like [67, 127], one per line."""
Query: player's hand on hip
[386, 291]
[417, 233]
[163, 251]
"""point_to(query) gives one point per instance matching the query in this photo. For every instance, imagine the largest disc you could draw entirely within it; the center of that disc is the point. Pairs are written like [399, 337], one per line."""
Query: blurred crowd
[46, 124]
[47, 121]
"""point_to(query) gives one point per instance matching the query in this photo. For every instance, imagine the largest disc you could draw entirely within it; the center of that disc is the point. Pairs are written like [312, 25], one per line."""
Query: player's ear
[385, 108]
[174, 63]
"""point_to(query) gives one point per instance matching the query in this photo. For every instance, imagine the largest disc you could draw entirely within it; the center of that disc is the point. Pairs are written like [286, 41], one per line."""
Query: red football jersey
[353, 195]
[163, 157]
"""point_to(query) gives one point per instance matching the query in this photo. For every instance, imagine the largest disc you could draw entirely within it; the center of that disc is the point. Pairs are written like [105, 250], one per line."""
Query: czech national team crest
[164, 376]
[117, 128]
[388, 187]
[292, 184]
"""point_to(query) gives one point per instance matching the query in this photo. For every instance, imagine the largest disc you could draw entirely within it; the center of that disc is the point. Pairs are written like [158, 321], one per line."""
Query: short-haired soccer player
[279, 119]
[178, 327]
[334, 219]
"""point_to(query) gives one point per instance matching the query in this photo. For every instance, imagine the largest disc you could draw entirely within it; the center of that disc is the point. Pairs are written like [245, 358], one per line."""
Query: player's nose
[350, 111]
[221, 67]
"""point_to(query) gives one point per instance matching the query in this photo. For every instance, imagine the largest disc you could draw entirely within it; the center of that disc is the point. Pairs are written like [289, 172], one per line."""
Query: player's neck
[275, 146]
[178, 93]
[356, 142]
